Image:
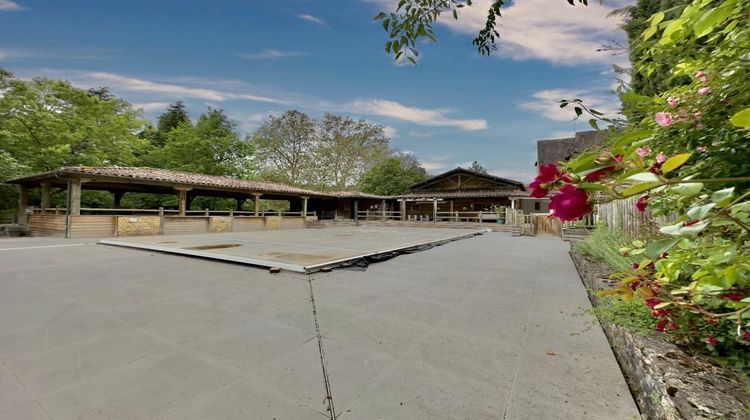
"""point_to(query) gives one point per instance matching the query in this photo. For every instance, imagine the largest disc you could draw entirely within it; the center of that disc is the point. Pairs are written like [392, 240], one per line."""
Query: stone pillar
[356, 210]
[256, 203]
[304, 206]
[383, 216]
[45, 193]
[434, 209]
[74, 197]
[402, 209]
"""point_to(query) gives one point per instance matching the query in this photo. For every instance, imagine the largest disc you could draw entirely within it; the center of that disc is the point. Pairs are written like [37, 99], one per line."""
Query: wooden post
[402, 208]
[182, 201]
[434, 209]
[118, 198]
[240, 201]
[74, 197]
[383, 216]
[23, 202]
[44, 191]
[161, 220]
[304, 206]
[256, 203]
[356, 211]
[208, 212]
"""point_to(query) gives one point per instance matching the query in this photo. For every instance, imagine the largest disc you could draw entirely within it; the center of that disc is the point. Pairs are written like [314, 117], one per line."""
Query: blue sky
[255, 58]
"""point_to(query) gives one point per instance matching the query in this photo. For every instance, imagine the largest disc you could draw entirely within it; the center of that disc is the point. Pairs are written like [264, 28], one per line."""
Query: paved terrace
[486, 327]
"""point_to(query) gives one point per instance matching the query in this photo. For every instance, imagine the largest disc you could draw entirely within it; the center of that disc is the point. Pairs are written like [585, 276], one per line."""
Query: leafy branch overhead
[413, 19]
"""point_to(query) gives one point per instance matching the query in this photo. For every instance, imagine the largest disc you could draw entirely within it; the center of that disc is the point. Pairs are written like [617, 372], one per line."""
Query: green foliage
[631, 314]
[478, 168]
[331, 154]
[393, 176]
[210, 147]
[46, 124]
[604, 244]
[687, 158]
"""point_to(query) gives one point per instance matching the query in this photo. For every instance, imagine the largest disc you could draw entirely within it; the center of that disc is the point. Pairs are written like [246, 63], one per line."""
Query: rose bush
[684, 154]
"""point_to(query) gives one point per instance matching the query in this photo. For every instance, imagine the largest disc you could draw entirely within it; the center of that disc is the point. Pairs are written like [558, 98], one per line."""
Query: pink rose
[643, 151]
[712, 341]
[537, 191]
[747, 335]
[642, 203]
[664, 119]
[548, 174]
[570, 203]
[673, 101]
[661, 158]
[704, 91]
[701, 76]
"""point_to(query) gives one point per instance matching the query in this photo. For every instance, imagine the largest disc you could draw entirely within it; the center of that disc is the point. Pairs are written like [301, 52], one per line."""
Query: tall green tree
[393, 176]
[286, 147]
[212, 146]
[46, 124]
[347, 148]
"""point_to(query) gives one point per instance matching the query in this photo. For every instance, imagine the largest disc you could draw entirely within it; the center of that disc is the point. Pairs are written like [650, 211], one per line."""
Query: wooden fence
[623, 214]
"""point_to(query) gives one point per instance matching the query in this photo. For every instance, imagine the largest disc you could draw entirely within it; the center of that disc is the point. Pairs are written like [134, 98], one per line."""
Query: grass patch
[632, 314]
[604, 244]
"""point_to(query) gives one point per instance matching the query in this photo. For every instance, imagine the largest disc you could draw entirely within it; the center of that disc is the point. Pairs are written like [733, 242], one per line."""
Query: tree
[210, 147]
[175, 116]
[413, 19]
[347, 148]
[46, 124]
[285, 148]
[393, 176]
[478, 168]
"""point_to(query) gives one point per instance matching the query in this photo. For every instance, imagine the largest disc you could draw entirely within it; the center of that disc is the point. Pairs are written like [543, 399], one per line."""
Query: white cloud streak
[420, 116]
[11, 6]
[132, 84]
[270, 54]
[312, 19]
[547, 103]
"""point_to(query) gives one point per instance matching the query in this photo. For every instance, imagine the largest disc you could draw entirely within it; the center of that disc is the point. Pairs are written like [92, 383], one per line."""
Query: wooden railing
[378, 215]
[169, 212]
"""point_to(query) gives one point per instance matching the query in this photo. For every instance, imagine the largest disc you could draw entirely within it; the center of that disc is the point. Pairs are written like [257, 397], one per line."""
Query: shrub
[604, 244]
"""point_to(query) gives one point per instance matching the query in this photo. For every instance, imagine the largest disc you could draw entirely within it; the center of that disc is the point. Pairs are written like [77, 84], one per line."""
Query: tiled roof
[505, 192]
[557, 150]
[493, 178]
[176, 178]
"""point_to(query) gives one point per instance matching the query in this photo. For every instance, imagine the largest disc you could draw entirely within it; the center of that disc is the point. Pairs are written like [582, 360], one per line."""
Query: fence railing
[622, 214]
[378, 215]
[170, 212]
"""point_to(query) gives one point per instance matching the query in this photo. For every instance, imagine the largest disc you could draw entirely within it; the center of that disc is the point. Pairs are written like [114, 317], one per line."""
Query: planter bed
[666, 381]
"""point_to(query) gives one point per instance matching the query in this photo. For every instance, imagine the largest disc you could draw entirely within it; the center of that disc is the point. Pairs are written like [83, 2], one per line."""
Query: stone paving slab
[487, 328]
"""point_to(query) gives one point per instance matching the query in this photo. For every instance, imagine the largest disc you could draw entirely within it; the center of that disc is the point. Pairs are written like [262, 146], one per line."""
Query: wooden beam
[74, 197]
[256, 203]
[182, 202]
[46, 196]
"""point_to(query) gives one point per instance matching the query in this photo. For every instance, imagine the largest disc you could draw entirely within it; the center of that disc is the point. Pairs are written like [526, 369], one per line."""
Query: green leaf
[638, 244]
[675, 162]
[656, 248]
[688, 189]
[699, 212]
[594, 124]
[693, 230]
[723, 197]
[644, 177]
[741, 119]
[706, 23]
[673, 230]
[588, 186]
[638, 188]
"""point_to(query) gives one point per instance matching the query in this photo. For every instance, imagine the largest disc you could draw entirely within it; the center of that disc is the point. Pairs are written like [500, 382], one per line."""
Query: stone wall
[220, 224]
[667, 382]
[138, 225]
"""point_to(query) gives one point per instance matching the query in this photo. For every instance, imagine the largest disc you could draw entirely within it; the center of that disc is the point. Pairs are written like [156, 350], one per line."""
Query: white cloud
[132, 84]
[421, 116]
[312, 19]
[11, 6]
[390, 132]
[419, 134]
[550, 30]
[269, 54]
[151, 106]
[261, 116]
[547, 103]
[524, 175]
